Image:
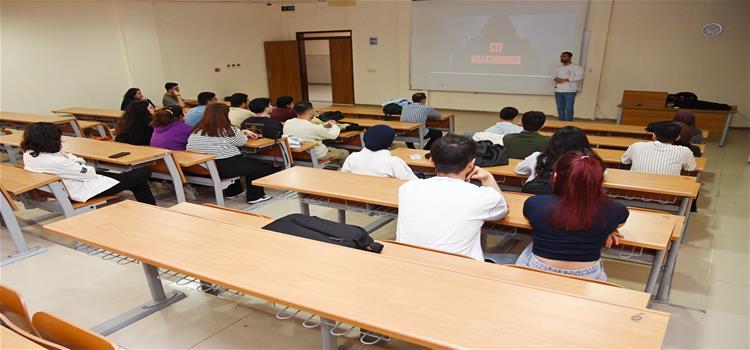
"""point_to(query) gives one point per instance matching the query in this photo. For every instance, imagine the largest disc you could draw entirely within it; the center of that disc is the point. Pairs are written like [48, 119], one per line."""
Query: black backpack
[392, 108]
[538, 185]
[331, 115]
[322, 230]
[267, 127]
[490, 154]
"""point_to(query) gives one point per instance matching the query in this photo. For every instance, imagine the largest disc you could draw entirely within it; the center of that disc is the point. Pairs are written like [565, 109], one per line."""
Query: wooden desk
[10, 340]
[581, 288]
[100, 127]
[23, 119]
[405, 131]
[445, 122]
[412, 311]
[263, 149]
[352, 140]
[109, 116]
[604, 129]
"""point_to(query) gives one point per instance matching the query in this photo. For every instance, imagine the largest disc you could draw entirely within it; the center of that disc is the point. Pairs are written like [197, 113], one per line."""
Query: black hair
[568, 138]
[284, 101]
[508, 113]
[136, 110]
[169, 86]
[204, 97]
[533, 120]
[452, 153]
[259, 104]
[567, 53]
[41, 138]
[237, 99]
[302, 106]
[130, 94]
[418, 97]
[667, 132]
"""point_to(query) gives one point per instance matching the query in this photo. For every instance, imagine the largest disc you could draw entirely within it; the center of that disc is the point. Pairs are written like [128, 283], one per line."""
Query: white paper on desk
[415, 157]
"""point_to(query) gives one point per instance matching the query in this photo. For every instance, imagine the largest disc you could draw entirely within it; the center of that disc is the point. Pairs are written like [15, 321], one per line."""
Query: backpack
[392, 108]
[491, 154]
[267, 127]
[331, 115]
[538, 185]
[313, 227]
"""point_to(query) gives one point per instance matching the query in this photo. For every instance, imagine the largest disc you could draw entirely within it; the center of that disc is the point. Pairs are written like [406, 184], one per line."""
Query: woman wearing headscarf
[375, 158]
[688, 118]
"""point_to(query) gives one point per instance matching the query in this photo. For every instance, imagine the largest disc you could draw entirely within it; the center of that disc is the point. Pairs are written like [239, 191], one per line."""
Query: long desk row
[396, 296]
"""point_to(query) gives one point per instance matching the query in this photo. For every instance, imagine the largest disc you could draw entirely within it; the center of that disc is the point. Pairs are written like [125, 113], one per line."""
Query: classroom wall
[318, 61]
[87, 53]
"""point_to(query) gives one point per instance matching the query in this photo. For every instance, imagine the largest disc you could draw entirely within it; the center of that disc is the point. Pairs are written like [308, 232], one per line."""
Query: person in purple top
[170, 130]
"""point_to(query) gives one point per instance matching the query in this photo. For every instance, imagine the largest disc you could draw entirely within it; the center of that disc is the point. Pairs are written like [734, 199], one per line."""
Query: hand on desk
[614, 237]
[329, 124]
[250, 134]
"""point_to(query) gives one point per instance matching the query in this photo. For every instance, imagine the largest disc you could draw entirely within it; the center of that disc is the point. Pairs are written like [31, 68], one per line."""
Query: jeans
[251, 169]
[565, 101]
[432, 135]
[135, 181]
[595, 271]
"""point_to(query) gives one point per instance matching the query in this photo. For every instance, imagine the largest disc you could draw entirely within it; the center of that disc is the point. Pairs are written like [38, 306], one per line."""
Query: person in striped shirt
[660, 156]
[419, 112]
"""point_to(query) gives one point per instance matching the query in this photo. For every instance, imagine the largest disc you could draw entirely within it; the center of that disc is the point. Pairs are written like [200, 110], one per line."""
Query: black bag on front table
[352, 127]
[269, 128]
[332, 115]
[392, 108]
[313, 227]
[538, 185]
[490, 154]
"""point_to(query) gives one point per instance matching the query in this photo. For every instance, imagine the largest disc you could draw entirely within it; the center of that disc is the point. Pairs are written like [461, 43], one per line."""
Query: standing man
[172, 96]
[567, 80]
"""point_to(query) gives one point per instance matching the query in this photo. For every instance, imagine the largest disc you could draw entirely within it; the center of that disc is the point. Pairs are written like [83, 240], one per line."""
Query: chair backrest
[566, 276]
[64, 333]
[13, 308]
[14, 328]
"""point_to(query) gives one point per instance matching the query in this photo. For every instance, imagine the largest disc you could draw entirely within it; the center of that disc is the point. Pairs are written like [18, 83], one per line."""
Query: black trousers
[135, 181]
[251, 169]
[432, 135]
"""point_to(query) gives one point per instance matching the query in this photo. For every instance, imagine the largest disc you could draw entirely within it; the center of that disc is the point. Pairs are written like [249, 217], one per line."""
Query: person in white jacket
[42, 147]
[303, 128]
[375, 159]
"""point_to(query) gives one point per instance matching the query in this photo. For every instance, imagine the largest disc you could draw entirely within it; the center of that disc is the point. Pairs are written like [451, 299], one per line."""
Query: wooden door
[342, 70]
[283, 69]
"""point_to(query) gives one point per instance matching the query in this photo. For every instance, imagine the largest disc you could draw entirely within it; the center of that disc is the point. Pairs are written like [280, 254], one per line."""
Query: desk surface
[376, 111]
[644, 229]
[684, 186]
[91, 112]
[24, 118]
[187, 158]
[601, 127]
[482, 313]
[306, 146]
[259, 143]
[675, 110]
[11, 340]
[88, 124]
[593, 291]
[16, 180]
[396, 125]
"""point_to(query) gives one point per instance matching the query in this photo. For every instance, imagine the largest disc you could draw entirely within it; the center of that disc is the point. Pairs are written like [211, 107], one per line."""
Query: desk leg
[452, 125]
[329, 340]
[216, 180]
[77, 130]
[619, 115]
[61, 195]
[662, 293]
[724, 134]
[313, 157]
[102, 131]
[16, 235]
[285, 155]
[653, 276]
[159, 300]
[342, 216]
[12, 153]
[304, 208]
[176, 178]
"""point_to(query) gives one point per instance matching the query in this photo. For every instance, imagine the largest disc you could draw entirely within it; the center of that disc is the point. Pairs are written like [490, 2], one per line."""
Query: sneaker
[234, 195]
[261, 199]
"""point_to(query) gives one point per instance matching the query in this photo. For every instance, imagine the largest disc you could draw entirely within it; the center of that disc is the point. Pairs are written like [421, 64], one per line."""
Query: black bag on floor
[322, 230]
[269, 128]
[490, 154]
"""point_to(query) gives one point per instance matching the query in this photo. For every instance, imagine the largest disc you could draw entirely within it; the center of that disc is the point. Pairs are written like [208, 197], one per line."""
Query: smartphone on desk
[118, 155]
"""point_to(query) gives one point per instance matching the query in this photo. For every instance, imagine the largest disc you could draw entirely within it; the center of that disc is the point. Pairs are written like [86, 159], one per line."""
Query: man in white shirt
[238, 111]
[375, 159]
[447, 212]
[506, 126]
[567, 80]
[660, 156]
[303, 128]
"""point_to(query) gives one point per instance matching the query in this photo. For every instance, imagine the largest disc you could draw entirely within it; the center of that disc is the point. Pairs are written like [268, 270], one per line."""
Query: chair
[64, 333]
[566, 276]
[13, 308]
[15, 329]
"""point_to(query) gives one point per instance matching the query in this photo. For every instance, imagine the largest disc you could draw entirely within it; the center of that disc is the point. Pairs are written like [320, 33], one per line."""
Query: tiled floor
[709, 301]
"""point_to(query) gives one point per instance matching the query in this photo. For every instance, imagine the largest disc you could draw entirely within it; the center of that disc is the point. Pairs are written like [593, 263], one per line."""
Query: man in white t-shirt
[446, 212]
[567, 80]
[375, 158]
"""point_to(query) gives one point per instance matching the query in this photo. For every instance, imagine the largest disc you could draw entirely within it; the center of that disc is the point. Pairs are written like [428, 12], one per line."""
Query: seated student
[686, 134]
[195, 114]
[170, 129]
[528, 141]
[419, 112]
[538, 166]
[303, 128]
[283, 110]
[261, 122]
[660, 156]
[506, 126]
[172, 96]
[238, 109]
[446, 212]
[375, 159]
[215, 135]
[688, 117]
[135, 125]
[133, 94]
[42, 147]
[572, 225]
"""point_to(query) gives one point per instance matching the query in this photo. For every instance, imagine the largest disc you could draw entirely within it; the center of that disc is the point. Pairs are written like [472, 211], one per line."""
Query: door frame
[318, 35]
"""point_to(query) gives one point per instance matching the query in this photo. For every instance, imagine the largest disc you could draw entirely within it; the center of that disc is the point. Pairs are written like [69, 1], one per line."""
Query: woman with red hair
[572, 225]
